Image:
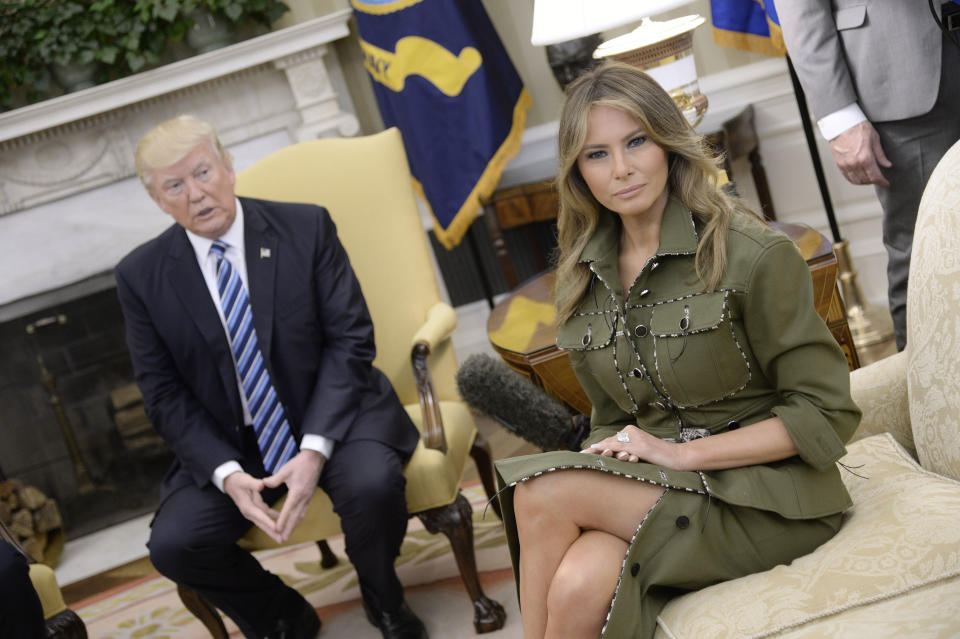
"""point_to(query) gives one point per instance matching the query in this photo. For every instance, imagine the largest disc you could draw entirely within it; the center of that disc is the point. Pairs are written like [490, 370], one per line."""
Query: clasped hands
[633, 445]
[300, 474]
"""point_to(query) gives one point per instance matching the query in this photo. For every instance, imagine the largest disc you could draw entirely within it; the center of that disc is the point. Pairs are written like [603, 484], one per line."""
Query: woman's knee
[538, 495]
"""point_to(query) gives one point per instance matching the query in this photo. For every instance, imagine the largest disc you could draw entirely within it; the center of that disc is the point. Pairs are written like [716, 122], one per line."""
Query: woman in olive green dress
[720, 399]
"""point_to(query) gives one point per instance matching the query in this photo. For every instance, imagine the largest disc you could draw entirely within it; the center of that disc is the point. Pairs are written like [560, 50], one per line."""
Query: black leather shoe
[305, 624]
[402, 624]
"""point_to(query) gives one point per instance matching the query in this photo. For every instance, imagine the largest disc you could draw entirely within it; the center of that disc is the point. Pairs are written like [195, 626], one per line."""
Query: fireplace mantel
[70, 204]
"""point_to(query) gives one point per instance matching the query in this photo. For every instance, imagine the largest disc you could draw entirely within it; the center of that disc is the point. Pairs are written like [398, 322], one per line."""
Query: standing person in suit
[253, 347]
[884, 84]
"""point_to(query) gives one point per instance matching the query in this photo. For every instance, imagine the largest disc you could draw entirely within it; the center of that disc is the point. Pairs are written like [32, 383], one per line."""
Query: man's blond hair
[171, 141]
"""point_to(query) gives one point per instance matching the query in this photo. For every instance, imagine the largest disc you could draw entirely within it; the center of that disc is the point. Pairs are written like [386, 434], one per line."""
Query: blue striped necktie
[274, 438]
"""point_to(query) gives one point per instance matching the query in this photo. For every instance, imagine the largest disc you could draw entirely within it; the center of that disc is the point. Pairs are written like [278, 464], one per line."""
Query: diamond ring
[623, 437]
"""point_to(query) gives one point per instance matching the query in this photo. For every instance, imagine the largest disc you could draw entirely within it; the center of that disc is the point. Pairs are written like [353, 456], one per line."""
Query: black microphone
[490, 387]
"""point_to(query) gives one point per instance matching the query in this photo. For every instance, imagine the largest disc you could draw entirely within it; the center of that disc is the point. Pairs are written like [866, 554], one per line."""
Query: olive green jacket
[676, 361]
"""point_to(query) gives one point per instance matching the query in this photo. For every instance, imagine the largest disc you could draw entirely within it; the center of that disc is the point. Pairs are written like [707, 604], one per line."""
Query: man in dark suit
[252, 346]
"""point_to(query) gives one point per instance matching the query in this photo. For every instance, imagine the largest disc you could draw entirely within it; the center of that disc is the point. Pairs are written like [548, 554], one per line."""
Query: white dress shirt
[233, 238]
[833, 124]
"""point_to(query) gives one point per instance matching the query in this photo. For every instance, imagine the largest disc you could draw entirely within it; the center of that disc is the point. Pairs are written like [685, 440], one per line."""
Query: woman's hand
[639, 446]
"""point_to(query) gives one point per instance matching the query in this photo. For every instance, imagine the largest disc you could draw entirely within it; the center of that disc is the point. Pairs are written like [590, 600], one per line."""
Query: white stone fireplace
[70, 203]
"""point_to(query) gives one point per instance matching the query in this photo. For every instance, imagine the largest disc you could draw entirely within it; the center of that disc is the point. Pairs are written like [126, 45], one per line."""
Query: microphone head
[490, 387]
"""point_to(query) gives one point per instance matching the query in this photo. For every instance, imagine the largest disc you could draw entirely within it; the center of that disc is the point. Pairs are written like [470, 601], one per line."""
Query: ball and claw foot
[488, 615]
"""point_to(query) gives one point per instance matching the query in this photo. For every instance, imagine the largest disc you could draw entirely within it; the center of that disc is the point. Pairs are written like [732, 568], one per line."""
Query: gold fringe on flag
[485, 186]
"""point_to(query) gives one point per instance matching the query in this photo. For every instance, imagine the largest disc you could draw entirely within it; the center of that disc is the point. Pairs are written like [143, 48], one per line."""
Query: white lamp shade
[559, 20]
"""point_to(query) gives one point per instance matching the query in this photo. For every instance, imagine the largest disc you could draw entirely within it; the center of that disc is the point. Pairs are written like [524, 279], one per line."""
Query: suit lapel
[261, 254]
[184, 276]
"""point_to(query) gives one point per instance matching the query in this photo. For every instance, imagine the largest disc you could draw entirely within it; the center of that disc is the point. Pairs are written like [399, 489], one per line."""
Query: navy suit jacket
[312, 323]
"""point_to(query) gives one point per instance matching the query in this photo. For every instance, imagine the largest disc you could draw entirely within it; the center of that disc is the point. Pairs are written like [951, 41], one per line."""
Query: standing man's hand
[300, 474]
[244, 490]
[859, 155]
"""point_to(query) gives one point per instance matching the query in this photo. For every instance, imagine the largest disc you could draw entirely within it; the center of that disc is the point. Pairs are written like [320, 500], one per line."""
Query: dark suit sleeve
[345, 368]
[199, 443]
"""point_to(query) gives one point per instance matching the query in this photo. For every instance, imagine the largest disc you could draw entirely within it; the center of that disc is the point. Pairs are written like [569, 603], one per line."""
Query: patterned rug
[148, 608]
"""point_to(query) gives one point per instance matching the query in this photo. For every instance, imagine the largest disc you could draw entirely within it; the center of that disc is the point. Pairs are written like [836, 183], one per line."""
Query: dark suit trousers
[914, 146]
[194, 533]
[20, 613]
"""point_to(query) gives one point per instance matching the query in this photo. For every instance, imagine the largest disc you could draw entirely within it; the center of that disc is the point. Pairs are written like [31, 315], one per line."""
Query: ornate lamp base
[870, 325]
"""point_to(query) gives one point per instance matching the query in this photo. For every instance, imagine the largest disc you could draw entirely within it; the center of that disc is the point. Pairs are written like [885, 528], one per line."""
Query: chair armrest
[433, 435]
[440, 324]
[880, 390]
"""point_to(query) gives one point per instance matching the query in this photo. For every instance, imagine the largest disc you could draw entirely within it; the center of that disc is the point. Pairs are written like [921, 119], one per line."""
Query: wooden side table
[522, 328]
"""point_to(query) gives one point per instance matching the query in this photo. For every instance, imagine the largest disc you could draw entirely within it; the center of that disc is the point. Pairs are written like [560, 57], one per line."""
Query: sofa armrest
[880, 390]
[440, 324]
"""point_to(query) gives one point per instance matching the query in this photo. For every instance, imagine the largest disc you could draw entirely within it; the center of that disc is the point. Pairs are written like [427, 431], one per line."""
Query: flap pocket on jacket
[850, 17]
[698, 357]
[586, 332]
[689, 315]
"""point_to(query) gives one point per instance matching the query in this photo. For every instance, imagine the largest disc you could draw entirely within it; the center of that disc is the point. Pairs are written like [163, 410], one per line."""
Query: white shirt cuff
[225, 469]
[835, 123]
[319, 443]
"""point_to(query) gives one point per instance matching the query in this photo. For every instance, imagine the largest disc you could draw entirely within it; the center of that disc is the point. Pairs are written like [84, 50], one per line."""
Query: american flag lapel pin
[264, 253]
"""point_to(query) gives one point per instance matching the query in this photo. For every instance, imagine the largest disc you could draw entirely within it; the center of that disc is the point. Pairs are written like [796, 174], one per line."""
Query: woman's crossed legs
[574, 527]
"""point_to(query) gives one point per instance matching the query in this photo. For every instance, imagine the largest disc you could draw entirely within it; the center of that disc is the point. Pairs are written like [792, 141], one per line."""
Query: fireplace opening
[70, 416]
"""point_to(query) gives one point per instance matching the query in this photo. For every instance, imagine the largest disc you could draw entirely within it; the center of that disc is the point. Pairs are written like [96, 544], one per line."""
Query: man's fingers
[292, 513]
[879, 154]
[269, 530]
[258, 517]
[288, 505]
[293, 519]
[261, 505]
[276, 479]
[874, 176]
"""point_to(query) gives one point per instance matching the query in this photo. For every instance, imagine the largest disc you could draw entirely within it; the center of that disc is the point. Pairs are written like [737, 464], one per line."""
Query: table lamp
[662, 49]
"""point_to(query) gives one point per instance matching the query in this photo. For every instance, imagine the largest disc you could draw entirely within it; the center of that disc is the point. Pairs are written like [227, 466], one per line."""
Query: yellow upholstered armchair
[61, 622]
[365, 185]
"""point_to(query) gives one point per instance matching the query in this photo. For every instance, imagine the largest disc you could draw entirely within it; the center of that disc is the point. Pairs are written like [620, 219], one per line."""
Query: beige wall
[513, 20]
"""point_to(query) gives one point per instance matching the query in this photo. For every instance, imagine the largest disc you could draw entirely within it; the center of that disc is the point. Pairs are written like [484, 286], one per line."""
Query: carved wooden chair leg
[328, 559]
[456, 522]
[204, 611]
[66, 625]
[483, 458]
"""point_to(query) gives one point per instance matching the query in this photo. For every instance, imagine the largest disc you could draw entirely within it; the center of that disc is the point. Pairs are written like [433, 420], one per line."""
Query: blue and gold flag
[750, 25]
[442, 76]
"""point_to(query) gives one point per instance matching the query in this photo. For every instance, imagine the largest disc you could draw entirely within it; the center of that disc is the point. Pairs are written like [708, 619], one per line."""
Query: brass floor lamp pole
[871, 326]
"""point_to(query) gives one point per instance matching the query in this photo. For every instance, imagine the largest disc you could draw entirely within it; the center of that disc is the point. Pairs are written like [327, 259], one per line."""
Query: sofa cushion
[929, 612]
[933, 324]
[902, 535]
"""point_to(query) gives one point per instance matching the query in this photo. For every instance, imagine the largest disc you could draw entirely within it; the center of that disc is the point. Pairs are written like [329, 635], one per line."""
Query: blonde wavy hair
[170, 141]
[692, 173]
